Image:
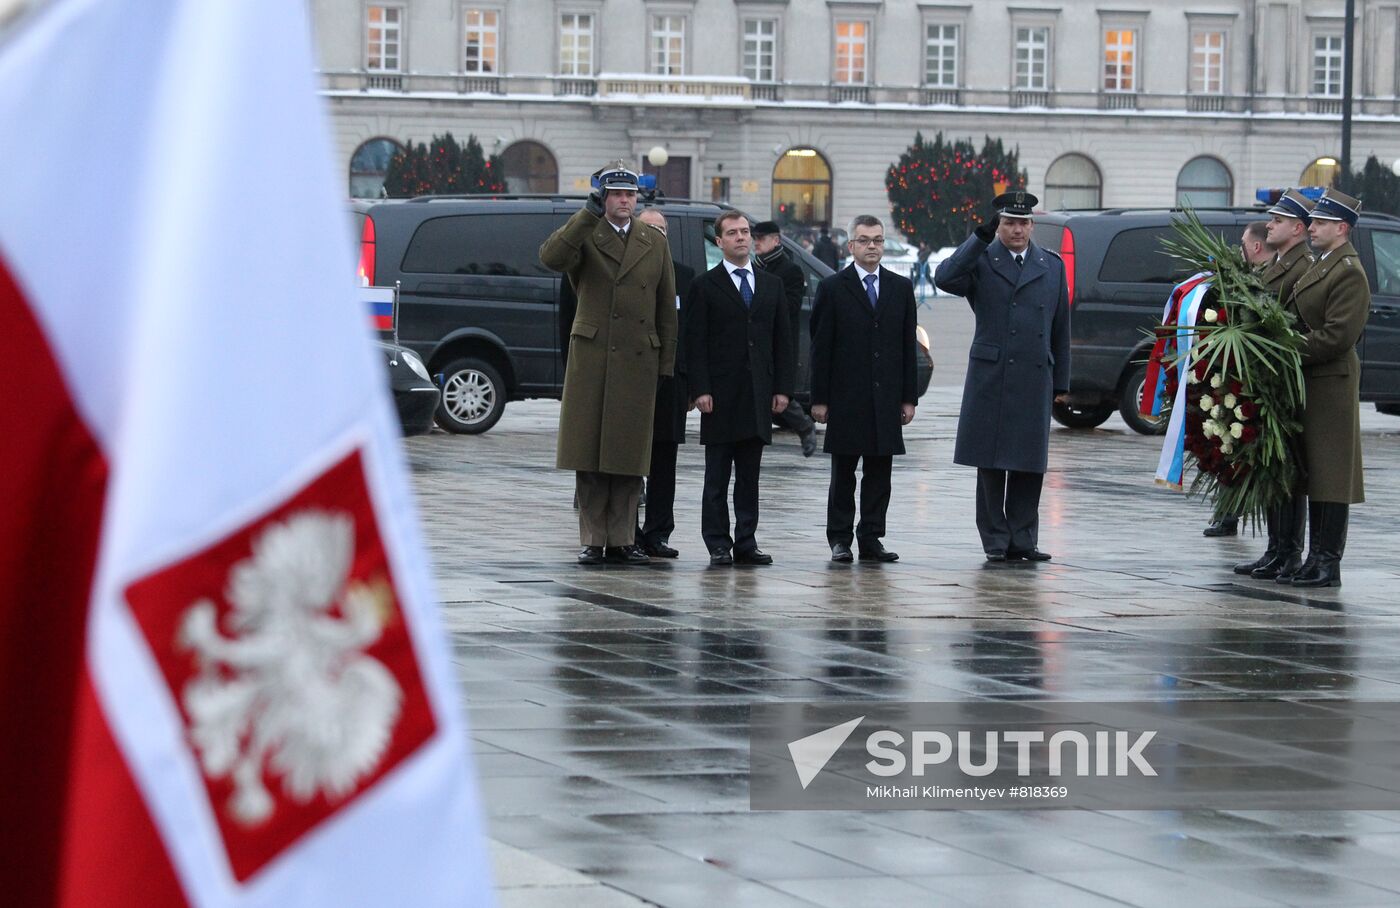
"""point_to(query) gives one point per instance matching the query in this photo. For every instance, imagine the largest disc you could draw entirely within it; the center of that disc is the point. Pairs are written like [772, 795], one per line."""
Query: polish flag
[222, 676]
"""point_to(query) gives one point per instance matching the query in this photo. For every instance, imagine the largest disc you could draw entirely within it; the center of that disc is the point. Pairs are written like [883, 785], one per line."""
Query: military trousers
[607, 508]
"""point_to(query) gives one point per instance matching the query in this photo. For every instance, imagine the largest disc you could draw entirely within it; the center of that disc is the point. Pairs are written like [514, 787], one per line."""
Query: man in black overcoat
[770, 256]
[1018, 363]
[739, 372]
[864, 387]
[668, 428]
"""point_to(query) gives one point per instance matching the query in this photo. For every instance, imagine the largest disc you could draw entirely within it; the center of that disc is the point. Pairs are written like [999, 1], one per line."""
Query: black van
[476, 304]
[1120, 277]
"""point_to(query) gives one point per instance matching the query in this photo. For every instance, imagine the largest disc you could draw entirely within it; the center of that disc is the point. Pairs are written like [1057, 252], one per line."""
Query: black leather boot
[1314, 541]
[1286, 532]
[1270, 556]
[1327, 570]
[1225, 526]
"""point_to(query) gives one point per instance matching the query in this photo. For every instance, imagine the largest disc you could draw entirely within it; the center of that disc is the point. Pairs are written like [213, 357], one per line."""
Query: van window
[1386, 245]
[1138, 257]
[496, 244]
[713, 255]
[1048, 236]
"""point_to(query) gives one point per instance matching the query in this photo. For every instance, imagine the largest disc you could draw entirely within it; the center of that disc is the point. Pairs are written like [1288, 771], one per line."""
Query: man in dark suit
[739, 370]
[825, 250]
[1018, 364]
[668, 428]
[770, 256]
[864, 387]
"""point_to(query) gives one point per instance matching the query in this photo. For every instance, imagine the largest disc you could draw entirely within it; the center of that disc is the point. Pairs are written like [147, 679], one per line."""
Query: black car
[415, 394]
[1120, 276]
[477, 305]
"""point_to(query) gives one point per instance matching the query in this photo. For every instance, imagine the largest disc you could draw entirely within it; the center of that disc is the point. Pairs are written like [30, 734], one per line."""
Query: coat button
[1013, 330]
[877, 324]
[614, 315]
[1012, 361]
[877, 354]
[614, 349]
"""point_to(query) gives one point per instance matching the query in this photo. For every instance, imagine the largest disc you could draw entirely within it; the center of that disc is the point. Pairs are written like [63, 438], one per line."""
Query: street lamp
[658, 156]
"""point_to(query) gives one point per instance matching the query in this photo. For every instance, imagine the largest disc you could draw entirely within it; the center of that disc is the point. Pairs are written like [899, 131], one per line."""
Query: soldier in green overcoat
[1332, 300]
[623, 337]
[1286, 235]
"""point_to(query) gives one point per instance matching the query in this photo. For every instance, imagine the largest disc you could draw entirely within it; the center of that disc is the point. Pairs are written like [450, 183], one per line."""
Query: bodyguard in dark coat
[864, 387]
[1018, 363]
[1333, 300]
[770, 256]
[668, 428]
[739, 370]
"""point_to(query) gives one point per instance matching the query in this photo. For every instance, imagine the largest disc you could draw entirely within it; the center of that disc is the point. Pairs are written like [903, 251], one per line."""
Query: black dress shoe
[753, 556]
[721, 556]
[996, 557]
[1230, 526]
[659, 550]
[590, 554]
[877, 552]
[840, 552]
[626, 554]
[1031, 555]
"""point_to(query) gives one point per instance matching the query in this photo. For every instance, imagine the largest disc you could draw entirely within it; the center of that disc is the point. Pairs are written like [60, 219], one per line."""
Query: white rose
[1216, 381]
[1239, 413]
[1227, 448]
[1236, 430]
[1217, 411]
[1230, 401]
[1210, 315]
[1207, 402]
[1208, 429]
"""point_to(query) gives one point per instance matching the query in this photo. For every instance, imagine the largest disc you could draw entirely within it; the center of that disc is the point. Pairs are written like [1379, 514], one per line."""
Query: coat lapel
[857, 289]
[1003, 264]
[1035, 265]
[608, 242]
[719, 276]
[639, 241]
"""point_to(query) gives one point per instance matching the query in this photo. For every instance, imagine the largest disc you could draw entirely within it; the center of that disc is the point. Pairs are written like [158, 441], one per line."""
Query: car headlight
[922, 336]
[415, 362]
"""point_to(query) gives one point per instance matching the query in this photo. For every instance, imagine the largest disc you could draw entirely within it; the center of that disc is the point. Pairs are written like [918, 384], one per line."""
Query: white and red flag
[222, 677]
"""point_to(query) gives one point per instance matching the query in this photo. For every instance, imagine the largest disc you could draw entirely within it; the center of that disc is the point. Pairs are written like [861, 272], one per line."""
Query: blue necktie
[744, 289]
[870, 290]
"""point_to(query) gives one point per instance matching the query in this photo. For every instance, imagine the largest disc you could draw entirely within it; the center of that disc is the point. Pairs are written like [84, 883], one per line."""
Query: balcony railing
[739, 92]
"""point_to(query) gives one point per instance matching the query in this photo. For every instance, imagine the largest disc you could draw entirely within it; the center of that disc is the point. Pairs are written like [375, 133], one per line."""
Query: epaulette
[1051, 252]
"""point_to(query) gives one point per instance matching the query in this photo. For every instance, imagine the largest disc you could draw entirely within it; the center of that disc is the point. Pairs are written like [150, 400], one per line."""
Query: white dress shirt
[863, 274]
[731, 268]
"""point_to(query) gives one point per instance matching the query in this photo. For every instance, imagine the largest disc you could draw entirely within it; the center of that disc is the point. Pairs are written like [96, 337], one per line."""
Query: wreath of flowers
[1244, 389]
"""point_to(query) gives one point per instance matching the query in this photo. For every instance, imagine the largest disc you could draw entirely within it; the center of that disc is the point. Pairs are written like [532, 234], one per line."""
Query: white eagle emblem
[291, 693]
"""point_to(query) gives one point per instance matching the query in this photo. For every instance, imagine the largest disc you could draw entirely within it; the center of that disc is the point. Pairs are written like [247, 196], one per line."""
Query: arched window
[530, 167]
[1073, 181]
[368, 165]
[802, 189]
[1204, 183]
[1321, 172]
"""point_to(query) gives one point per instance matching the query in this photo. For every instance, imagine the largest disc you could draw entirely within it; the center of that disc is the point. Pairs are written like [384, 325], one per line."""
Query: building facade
[796, 108]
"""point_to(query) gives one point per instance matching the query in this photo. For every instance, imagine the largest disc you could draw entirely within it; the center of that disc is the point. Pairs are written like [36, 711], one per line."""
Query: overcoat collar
[719, 275]
[1004, 263]
[639, 243]
[1322, 267]
[856, 287]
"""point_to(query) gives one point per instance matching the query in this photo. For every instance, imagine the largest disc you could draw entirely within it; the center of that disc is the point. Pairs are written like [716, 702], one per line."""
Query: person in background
[825, 250]
[770, 256]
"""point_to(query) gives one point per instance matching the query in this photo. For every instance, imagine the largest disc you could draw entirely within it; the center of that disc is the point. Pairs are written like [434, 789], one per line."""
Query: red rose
[1236, 388]
[1200, 370]
[1249, 409]
[1248, 434]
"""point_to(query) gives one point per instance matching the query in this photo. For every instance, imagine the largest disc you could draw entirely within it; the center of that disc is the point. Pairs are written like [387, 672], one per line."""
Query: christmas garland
[1244, 382]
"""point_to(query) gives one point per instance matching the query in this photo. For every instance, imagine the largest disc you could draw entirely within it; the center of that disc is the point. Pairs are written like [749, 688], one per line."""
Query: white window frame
[1321, 60]
[661, 32]
[1030, 46]
[482, 31]
[1201, 56]
[756, 42]
[942, 43]
[1130, 83]
[865, 44]
[383, 27]
[579, 66]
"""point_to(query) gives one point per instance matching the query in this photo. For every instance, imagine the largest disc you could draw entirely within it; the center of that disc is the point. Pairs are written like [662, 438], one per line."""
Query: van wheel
[1072, 417]
[473, 396]
[1130, 397]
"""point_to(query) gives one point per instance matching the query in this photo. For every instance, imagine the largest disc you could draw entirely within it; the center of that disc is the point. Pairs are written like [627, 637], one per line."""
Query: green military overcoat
[1283, 273]
[623, 337]
[1333, 301]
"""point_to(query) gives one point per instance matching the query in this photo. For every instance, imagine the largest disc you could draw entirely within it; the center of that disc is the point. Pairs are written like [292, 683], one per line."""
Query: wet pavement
[608, 706]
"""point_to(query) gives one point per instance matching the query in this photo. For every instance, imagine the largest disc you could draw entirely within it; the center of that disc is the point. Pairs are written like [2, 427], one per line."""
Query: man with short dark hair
[864, 387]
[622, 339]
[739, 370]
[770, 256]
[825, 250]
[1017, 365]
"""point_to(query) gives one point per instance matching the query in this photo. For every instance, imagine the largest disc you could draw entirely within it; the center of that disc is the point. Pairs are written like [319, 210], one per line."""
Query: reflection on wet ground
[608, 707]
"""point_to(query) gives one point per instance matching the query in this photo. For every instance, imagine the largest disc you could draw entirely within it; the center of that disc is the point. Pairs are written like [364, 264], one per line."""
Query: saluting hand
[986, 232]
[906, 414]
[780, 403]
[819, 413]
